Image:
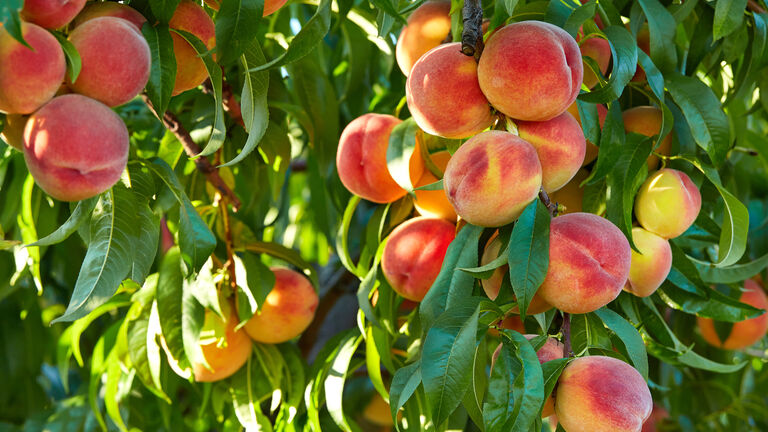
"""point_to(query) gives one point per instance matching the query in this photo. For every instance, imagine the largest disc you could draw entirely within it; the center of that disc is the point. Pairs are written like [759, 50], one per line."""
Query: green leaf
[25, 220]
[74, 63]
[402, 144]
[192, 320]
[629, 336]
[551, 371]
[144, 243]
[81, 214]
[9, 17]
[528, 393]
[164, 9]
[169, 303]
[246, 404]
[473, 399]
[162, 74]
[438, 185]
[662, 28]
[79, 326]
[733, 274]
[626, 178]
[729, 16]
[404, 383]
[528, 256]
[334, 384]
[237, 25]
[373, 364]
[255, 281]
[624, 58]
[448, 354]
[140, 350]
[286, 254]
[342, 235]
[588, 331]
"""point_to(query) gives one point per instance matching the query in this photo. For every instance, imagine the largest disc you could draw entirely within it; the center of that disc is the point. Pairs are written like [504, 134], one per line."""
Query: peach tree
[509, 215]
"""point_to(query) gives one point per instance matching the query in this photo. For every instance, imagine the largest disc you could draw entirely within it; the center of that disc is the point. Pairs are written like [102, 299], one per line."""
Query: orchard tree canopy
[305, 215]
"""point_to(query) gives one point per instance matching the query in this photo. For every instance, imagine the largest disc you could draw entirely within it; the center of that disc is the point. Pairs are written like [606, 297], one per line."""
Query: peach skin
[443, 94]
[650, 267]
[589, 261]
[225, 353]
[646, 120]
[190, 69]
[492, 177]
[744, 333]
[51, 14]
[434, 203]
[110, 9]
[667, 203]
[13, 132]
[270, 6]
[597, 49]
[426, 28]
[591, 153]
[571, 195]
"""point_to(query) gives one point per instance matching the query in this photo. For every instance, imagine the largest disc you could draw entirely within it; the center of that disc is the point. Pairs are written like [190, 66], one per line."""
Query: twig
[173, 124]
[566, 329]
[754, 6]
[472, 35]
[230, 264]
[551, 206]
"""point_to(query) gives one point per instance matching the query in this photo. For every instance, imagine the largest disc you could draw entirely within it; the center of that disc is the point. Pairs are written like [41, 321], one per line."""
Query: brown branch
[551, 206]
[472, 35]
[754, 6]
[173, 124]
[566, 329]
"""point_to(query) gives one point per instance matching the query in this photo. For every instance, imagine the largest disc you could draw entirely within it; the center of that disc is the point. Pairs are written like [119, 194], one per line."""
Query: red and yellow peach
[667, 203]
[743, 333]
[51, 14]
[426, 28]
[646, 120]
[434, 203]
[190, 69]
[651, 266]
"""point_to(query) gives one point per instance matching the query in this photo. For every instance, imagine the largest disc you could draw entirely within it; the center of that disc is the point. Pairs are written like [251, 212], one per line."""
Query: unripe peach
[190, 69]
[492, 177]
[75, 147]
[667, 203]
[589, 261]
[561, 147]
[531, 70]
[414, 254]
[51, 14]
[287, 311]
[110, 9]
[646, 120]
[651, 266]
[115, 60]
[571, 195]
[602, 394]
[444, 96]
[743, 333]
[29, 77]
[225, 353]
[427, 27]
[361, 159]
[602, 112]
[434, 203]
[13, 131]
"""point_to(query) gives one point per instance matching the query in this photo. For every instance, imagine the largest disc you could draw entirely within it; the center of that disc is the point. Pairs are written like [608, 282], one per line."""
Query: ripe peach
[434, 203]
[743, 333]
[600, 51]
[591, 153]
[51, 14]
[492, 285]
[571, 195]
[111, 9]
[513, 322]
[651, 266]
[443, 94]
[602, 394]
[225, 353]
[13, 131]
[531, 70]
[667, 203]
[492, 177]
[427, 27]
[29, 77]
[644, 44]
[190, 69]
[361, 159]
[646, 120]
[115, 60]
[414, 254]
[75, 147]
[561, 147]
[270, 6]
[589, 261]
[658, 414]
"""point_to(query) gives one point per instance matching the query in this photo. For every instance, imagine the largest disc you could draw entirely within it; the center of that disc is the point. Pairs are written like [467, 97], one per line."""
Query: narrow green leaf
[528, 256]
[729, 16]
[404, 383]
[9, 17]
[169, 304]
[144, 243]
[662, 28]
[74, 62]
[528, 393]
[629, 336]
[334, 384]
[286, 254]
[81, 214]
[164, 9]
[162, 73]
[246, 404]
[402, 144]
[237, 25]
[624, 58]
[733, 274]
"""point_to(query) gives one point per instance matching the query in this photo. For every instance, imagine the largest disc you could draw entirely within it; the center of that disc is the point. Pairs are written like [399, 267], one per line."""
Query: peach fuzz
[190, 69]
[571, 195]
[667, 203]
[602, 394]
[443, 94]
[434, 203]
[658, 414]
[592, 149]
[414, 254]
[110, 9]
[561, 147]
[426, 28]
[597, 49]
[225, 354]
[287, 311]
[744, 333]
[361, 159]
[51, 14]
[646, 120]
[492, 285]
[13, 131]
[29, 77]
[531, 70]
[589, 261]
[492, 177]
[270, 6]
[115, 60]
[71, 162]
[651, 266]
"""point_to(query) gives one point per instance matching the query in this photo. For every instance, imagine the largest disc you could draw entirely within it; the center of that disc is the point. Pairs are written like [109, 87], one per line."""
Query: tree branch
[754, 6]
[472, 35]
[173, 124]
[566, 329]
[552, 207]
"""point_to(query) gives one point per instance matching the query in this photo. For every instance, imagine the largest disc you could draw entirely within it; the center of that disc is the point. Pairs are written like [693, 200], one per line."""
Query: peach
[225, 353]
[561, 147]
[744, 333]
[13, 131]
[75, 147]
[513, 322]
[190, 69]
[644, 44]
[602, 112]
[651, 266]
[378, 412]
[667, 203]
[658, 414]
[597, 49]
[602, 394]
[492, 177]
[270, 6]
[530, 70]
[572, 194]
[110, 9]
[361, 159]
[589, 261]
[492, 285]
[427, 27]
[414, 254]
[29, 77]
[434, 203]
[51, 14]
[646, 120]
[115, 60]
[443, 94]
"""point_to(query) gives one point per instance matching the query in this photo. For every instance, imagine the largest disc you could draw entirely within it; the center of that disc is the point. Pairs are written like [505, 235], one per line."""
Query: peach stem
[551, 206]
[566, 329]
